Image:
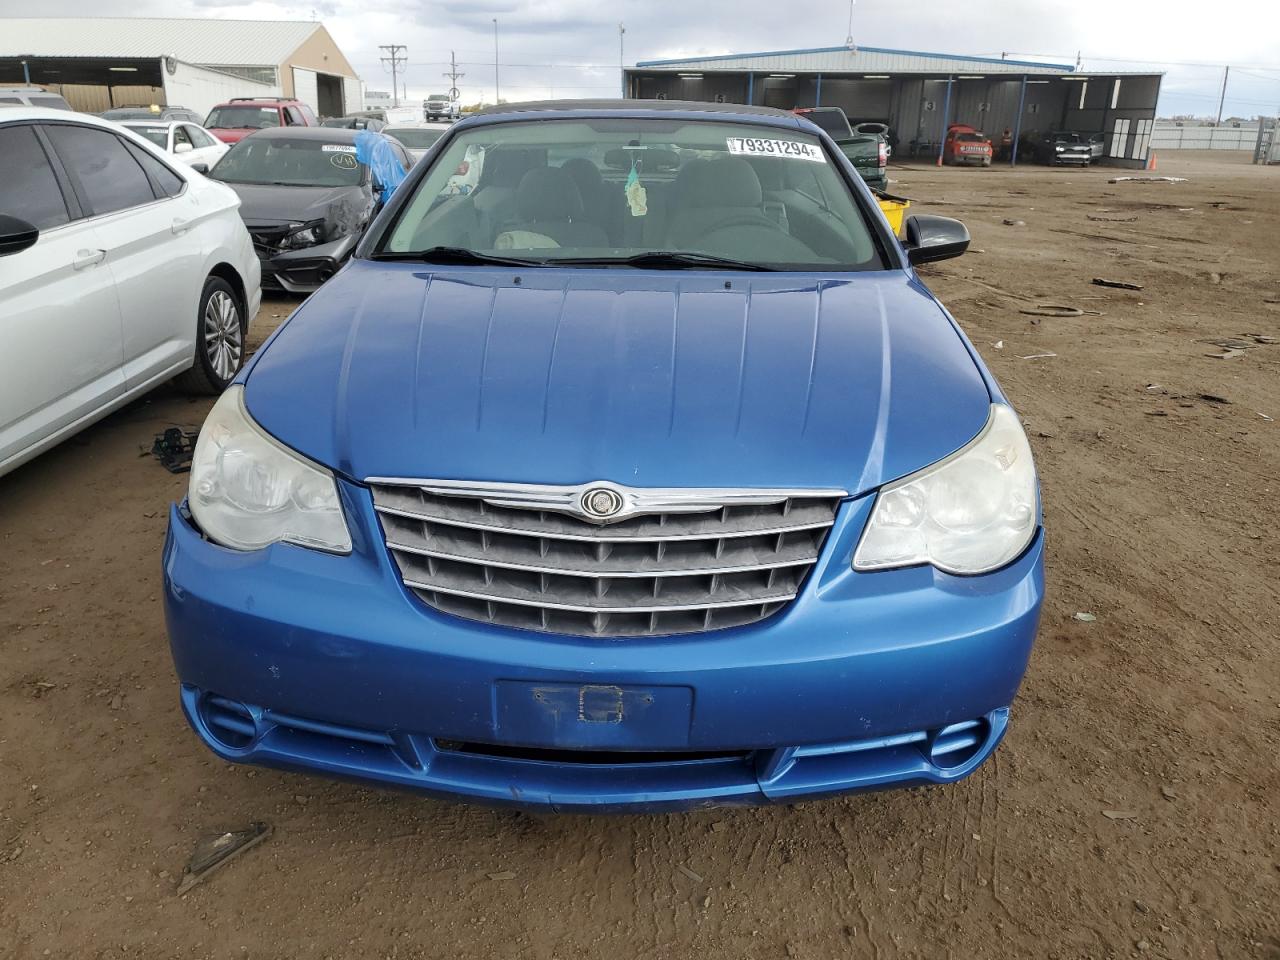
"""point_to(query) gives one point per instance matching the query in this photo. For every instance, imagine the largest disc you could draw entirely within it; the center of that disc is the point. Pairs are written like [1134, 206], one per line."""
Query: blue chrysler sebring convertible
[641, 472]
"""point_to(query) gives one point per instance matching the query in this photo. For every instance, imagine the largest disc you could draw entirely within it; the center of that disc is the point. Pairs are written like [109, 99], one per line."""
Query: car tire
[220, 339]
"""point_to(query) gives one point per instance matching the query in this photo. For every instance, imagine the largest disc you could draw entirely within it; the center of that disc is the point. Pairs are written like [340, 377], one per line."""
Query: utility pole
[622, 70]
[1226, 71]
[497, 95]
[395, 56]
[453, 76]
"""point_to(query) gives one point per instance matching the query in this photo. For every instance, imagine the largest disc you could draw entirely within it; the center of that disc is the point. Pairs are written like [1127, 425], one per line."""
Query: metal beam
[817, 94]
[751, 89]
[1017, 122]
[946, 111]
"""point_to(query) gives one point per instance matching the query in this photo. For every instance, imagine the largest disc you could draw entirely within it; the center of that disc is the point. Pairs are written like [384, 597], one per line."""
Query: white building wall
[199, 89]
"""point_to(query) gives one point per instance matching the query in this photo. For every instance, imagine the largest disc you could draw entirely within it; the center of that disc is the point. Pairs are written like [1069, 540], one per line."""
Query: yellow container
[895, 210]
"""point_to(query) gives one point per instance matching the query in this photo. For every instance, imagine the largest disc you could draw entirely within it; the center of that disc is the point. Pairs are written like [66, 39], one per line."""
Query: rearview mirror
[182, 148]
[16, 235]
[200, 167]
[935, 238]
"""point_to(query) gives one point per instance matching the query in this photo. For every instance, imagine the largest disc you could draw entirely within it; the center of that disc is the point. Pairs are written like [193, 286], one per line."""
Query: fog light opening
[953, 746]
[229, 722]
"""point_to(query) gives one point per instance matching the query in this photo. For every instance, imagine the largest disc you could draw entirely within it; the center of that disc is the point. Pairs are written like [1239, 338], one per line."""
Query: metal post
[817, 94]
[622, 70]
[946, 110]
[1017, 122]
[1226, 71]
[497, 96]
[26, 73]
[751, 88]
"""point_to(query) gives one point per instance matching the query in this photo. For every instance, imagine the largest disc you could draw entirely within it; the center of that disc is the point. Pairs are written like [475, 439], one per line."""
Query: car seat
[548, 205]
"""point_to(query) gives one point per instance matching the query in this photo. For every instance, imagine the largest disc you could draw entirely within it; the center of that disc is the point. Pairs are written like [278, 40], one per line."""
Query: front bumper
[302, 660]
[305, 269]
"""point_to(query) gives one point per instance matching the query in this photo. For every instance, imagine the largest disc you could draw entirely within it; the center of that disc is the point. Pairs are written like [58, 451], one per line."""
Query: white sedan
[189, 142]
[119, 269]
[417, 137]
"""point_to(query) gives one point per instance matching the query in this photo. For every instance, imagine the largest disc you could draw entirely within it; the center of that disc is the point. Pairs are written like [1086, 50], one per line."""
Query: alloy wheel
[223, 334]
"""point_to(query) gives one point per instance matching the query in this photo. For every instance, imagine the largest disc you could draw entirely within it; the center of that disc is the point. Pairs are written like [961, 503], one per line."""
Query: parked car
[189, 143]
[966, 145]
[234, 120]
[1062, 147]
[417, 137]
[439, 106]
[401, 115]
[152, 111]
[868, 152]
[119, 270]
[32, 97]
[305, 199]
[355, 122]
[711, 503]
[1097, 146]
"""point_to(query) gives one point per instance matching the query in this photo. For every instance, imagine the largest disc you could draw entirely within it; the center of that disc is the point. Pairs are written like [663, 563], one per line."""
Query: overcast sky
[1174, 35]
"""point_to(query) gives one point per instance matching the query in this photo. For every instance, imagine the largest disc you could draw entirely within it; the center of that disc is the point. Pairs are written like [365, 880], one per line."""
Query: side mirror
[200, 167]
[16, 235]
[935, 238]
[182, 148]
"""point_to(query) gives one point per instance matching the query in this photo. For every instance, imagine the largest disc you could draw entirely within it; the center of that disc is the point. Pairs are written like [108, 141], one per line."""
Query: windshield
[243, 118]
[604, 191]
[833, 122]
[290, 163]
[415, 138]
[157, 135]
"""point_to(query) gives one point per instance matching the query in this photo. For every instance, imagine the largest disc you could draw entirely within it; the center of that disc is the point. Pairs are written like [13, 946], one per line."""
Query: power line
[395, 56]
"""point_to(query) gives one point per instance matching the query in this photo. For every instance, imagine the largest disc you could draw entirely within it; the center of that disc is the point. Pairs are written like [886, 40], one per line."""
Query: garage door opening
[329, 95]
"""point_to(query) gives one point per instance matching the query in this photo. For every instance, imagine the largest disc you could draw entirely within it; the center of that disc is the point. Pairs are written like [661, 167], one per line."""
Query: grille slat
[674, 562]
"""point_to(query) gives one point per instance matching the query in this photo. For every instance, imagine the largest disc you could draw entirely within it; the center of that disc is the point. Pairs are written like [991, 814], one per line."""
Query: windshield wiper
[460, 255]
[659, 259]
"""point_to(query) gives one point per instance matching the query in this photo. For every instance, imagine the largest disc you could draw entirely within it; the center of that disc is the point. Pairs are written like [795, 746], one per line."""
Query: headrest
[728, 182]
[585, 174]
[548, 194]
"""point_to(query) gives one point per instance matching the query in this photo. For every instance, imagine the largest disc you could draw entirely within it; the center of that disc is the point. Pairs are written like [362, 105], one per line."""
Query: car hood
[230, 134]
[342, 208]
[645, 378]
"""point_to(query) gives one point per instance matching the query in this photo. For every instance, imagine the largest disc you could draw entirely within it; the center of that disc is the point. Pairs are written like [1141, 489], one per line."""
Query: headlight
[1059, 149]
[248, 491]
[306, 237]
[970, 513]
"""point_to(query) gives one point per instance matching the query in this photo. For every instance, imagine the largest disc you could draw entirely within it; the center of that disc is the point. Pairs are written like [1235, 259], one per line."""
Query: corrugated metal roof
[203, 41]
[857, 60]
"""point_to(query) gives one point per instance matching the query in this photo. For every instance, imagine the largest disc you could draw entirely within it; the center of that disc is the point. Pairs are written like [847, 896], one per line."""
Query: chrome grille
[671, 562]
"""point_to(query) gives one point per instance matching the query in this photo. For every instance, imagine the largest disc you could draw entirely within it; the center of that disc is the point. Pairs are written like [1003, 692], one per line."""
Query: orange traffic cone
[1151, 161]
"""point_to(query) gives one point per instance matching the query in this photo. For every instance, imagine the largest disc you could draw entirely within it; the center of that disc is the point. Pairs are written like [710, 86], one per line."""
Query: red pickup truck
[966, 144]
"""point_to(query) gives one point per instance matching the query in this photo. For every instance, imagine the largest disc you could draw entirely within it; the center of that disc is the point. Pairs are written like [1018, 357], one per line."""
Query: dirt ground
[1133, 810]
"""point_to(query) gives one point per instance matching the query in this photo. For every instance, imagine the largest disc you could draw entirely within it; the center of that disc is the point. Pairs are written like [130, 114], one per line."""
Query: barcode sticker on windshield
[792, 149]
[336, 148]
